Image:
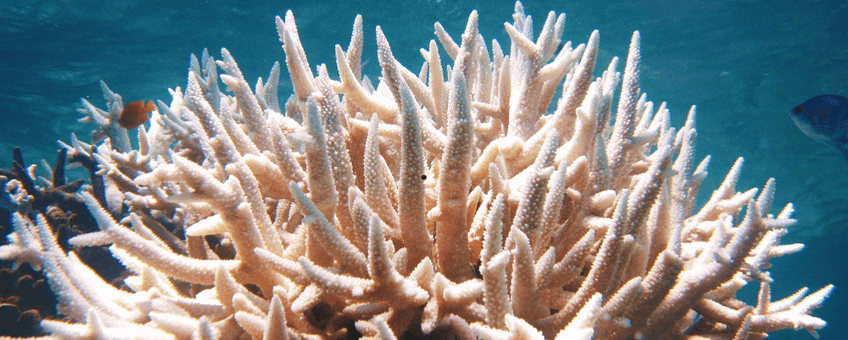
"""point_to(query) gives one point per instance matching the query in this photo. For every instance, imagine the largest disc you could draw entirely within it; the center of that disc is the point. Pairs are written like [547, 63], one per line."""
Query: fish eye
[798, 109]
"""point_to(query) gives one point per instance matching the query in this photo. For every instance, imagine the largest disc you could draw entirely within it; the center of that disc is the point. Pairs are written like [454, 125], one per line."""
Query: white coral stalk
[463, 208]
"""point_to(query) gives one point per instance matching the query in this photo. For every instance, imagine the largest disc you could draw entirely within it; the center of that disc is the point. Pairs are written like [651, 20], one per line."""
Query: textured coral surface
[497, 192]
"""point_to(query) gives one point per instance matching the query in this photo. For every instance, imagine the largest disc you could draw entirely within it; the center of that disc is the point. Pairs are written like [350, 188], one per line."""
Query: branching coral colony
[443, 203]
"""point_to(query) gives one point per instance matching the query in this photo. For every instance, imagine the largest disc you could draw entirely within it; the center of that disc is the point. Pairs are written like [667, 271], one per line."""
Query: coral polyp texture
[501, 197]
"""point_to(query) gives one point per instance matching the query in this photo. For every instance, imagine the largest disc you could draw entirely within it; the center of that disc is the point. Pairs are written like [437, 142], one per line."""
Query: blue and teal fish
[825, 119]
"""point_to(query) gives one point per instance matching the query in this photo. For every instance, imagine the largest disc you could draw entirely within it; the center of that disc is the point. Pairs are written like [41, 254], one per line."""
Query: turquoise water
[744, 63]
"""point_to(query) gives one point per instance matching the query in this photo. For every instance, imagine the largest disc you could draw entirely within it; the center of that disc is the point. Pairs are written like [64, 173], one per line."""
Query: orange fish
[135, 114]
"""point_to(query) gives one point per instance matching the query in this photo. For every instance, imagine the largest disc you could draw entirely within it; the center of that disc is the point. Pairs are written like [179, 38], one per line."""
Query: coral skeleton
[506, 196]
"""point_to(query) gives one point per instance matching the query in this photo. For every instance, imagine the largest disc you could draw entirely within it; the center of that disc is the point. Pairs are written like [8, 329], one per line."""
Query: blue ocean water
[744, 63]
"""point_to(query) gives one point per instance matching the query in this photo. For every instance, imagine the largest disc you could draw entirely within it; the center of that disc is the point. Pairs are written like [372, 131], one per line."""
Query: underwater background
[745, 64]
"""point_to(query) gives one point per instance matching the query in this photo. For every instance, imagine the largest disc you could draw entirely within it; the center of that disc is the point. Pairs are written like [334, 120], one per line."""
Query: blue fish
[825, 119]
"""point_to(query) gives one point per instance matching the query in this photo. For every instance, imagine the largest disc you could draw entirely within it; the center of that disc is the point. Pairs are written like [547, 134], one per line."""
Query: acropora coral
[447, 202]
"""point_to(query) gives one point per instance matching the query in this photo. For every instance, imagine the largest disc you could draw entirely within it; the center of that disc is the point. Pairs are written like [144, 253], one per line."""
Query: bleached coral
[443, 202]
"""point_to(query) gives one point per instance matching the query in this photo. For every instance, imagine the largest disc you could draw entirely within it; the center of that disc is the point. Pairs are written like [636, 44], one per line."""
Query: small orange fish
[135, 114]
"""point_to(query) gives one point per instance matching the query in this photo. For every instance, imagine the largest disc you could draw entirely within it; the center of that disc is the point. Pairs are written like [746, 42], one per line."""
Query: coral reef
[447, 203]
[25, 297]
